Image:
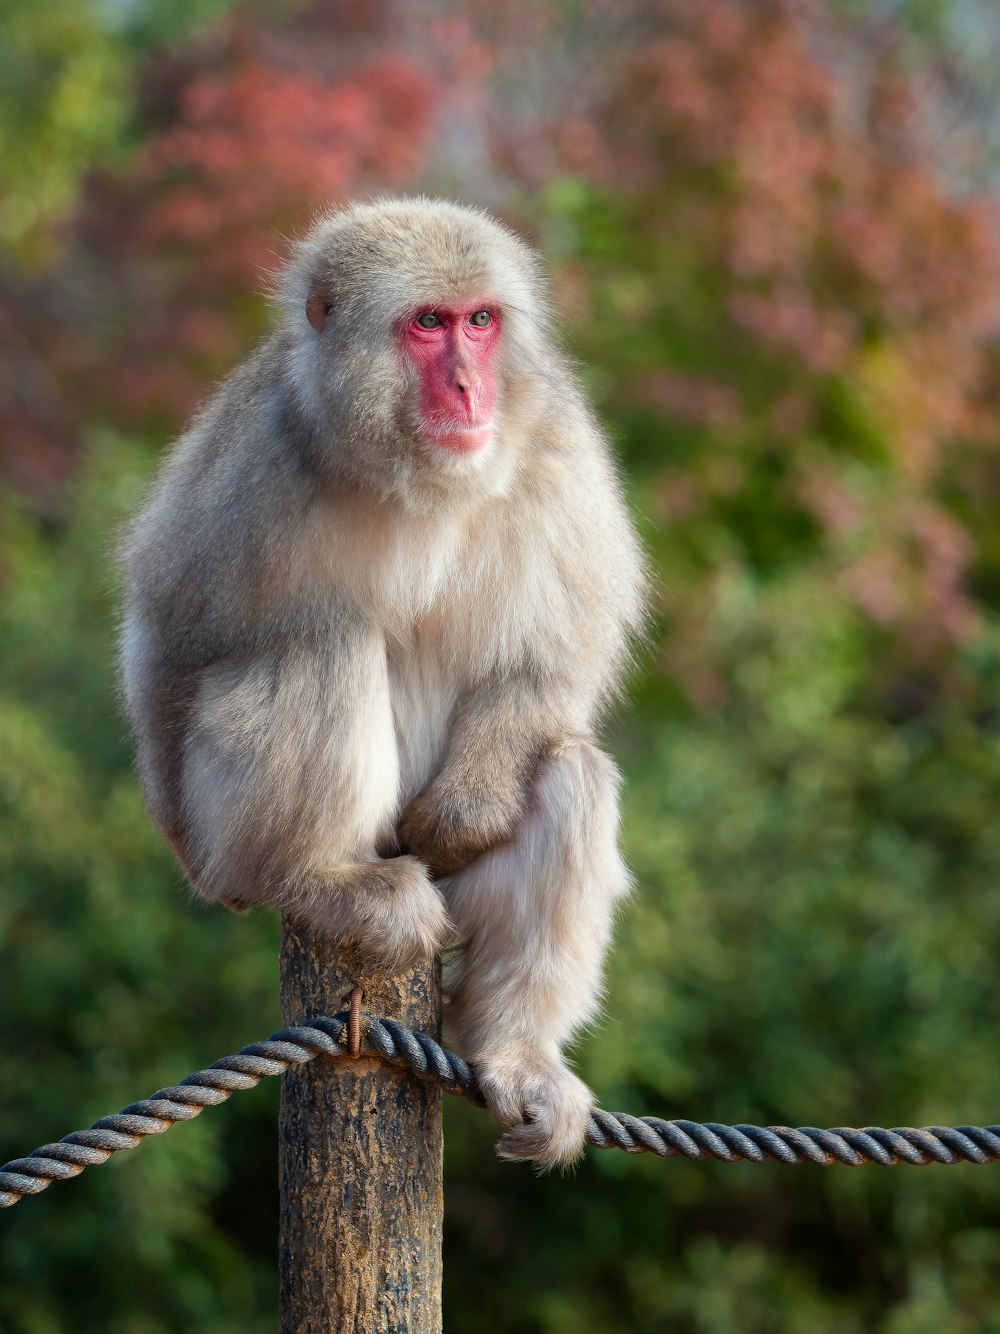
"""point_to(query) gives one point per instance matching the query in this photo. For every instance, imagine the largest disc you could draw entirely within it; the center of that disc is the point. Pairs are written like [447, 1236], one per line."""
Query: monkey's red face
[453, 348]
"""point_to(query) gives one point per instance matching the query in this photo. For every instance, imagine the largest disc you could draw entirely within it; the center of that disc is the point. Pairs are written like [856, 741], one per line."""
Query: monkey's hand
[545, 1105]
[459, 817]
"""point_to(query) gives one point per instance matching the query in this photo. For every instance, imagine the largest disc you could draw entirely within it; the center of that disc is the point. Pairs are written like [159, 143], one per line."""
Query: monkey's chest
[423, 694]
[470, 634]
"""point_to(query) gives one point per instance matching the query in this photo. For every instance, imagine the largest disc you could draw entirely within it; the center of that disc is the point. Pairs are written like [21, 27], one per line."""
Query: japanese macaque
[378, 595]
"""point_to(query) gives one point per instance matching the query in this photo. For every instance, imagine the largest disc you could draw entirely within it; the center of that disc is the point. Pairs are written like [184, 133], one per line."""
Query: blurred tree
[112, 979]
[787, 311]
[67, 101]
[951, 48]
[805, 336]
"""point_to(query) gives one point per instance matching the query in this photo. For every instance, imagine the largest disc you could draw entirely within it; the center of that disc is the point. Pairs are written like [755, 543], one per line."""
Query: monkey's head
[417, 333]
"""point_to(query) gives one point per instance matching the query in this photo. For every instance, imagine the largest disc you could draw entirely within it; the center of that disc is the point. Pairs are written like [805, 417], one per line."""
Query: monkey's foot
[390, 909]
[545, 1105]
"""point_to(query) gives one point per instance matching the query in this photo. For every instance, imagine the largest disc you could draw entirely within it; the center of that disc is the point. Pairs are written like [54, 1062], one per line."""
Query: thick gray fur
[364, 672]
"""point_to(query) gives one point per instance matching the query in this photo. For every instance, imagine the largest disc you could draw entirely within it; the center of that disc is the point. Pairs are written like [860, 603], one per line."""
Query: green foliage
[65, 102]
[114, 983]
[66, 69]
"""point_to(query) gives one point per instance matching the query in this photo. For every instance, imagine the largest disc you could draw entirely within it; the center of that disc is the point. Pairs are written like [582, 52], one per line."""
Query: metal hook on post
[354, 1024]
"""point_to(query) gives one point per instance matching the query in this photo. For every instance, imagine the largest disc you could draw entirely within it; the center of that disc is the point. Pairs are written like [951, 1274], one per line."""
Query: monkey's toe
[547, 1109]
[546, 1143]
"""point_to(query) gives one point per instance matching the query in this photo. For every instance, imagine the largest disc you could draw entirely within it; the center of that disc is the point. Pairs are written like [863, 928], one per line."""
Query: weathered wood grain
[360, 1158]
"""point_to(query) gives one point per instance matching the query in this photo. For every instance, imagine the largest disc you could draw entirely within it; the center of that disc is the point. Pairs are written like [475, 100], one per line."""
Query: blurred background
[774, 238]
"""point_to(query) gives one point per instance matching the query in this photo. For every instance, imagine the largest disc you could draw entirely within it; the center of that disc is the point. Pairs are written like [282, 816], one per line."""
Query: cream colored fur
[339, 638]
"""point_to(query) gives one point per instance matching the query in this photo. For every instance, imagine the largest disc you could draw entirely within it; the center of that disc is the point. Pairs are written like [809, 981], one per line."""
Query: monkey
[377, 600]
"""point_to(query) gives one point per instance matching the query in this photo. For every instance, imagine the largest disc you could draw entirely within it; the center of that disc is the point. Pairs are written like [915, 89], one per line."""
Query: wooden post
[360, 1158]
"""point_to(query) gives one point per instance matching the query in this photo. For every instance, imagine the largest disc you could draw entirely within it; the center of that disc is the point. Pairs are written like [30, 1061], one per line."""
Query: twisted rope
[426, 1059]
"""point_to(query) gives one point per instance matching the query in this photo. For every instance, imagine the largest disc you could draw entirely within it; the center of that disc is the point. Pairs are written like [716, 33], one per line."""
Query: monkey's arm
[584, 607]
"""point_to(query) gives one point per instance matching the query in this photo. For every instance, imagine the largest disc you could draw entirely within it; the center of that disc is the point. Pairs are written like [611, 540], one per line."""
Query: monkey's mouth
[460, 439]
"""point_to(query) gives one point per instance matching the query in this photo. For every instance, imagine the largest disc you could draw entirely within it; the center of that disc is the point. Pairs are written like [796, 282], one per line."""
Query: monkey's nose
[465, 398]
[465, 379]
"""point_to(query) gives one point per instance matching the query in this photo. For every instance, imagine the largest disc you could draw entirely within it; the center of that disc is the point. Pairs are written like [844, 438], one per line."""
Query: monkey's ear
[319, 304]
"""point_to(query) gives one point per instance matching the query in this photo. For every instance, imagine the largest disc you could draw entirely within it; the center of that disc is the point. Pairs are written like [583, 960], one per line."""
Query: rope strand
[427, 1059]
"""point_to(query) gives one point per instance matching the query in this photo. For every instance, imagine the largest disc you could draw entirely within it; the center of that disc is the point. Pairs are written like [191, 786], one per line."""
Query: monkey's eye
[428, 320]
[481, 319]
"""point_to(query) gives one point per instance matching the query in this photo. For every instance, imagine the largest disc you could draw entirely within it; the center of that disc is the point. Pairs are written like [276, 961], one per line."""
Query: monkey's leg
[535, 919]
[290, 784]
[388, 907]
